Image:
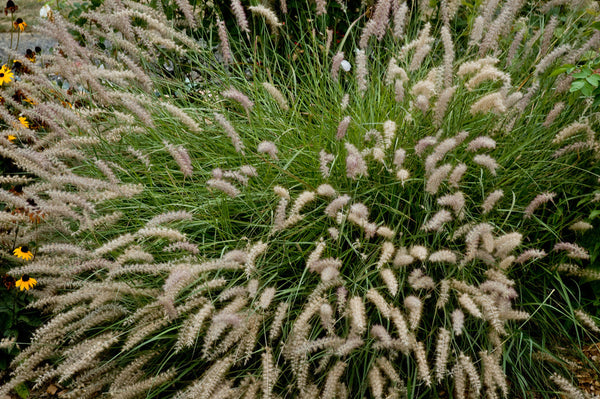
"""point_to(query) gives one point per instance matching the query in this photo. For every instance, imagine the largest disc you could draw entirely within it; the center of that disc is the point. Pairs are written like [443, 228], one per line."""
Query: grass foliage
[227, 211]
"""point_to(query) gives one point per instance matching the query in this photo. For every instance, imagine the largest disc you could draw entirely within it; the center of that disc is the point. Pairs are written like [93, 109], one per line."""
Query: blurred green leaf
[22, 391]
[568, 68]
[582, 74]
[593, 79]
[594, 214]
[587, 90]
[577, 85]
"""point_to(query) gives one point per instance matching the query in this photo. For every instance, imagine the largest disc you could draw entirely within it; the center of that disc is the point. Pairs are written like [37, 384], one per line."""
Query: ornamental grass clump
[238, 217]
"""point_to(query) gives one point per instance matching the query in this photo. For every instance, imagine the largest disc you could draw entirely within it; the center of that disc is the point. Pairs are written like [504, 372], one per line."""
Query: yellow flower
[24, 121]
[20, 24]
[5, 75]
[30, 55]
[23, 253]
[11, 138]
[25, 282]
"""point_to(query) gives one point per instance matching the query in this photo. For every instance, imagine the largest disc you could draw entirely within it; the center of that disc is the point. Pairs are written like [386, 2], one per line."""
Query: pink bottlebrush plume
[225, 48]
[238, 96]
[548, 34]
[248, 170]
[268, 14]
[437, 177]
[481, 142]
[188, 12]
[536, 202]
[342, 128]
[425, 142]
[277, 95]
[268, 147]
[530, 254]
[337, 204]
[444, 255]
[573, 250]
[324, 160]
[223, 186]
[361, 71]
[494, 102]
[399, 17]
[487, 73]
[422, 48]
[399, 157]
[345, 102]
[581, 226]
[439, 153]
[398, 90]
[180, 154]
[514, 46]
[448, 55]
[326, 190]
[436, 222]
[336, 62]
[550, 58]
[442, 352]
[573, 129]
[441, 105]
[458, 321]
[496, 28]
[377, 24]
[491, 200]
[554, 113]
[488, 162]
[455, 201]
[240, 16]
[574, 147]
[355, 163]
[328, 40]
[321, 7]
[168, 217]
[457, 174]
[420, 281]
[476, 31]
[235, 138]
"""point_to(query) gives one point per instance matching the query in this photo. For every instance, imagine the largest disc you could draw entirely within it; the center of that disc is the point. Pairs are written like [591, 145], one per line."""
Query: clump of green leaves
[586, 75]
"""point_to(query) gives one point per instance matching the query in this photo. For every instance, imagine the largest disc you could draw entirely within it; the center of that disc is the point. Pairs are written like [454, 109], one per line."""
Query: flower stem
[12, 27]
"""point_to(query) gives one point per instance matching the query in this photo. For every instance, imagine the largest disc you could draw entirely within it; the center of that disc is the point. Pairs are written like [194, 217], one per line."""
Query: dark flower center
[1, 75]
[10, 4]
[25, 278]
[19, 21]
[38, 49]
[24, 248]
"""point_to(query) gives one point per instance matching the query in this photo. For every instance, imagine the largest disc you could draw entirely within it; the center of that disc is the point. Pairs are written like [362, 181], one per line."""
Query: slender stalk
[12, 27]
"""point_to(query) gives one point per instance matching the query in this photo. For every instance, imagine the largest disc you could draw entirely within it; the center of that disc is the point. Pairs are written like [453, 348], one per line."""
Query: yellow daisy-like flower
[25, 282]
[5, 75]
[11, 138]
[24, 121]
[20, 24]
[23, 253]
[30, 55]
[29, 100]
